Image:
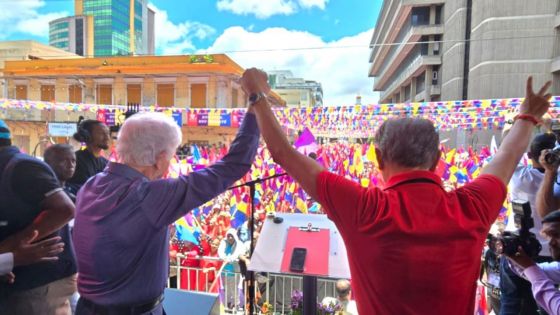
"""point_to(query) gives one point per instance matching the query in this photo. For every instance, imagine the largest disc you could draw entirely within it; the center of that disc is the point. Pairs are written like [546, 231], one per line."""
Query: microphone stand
[251, 274]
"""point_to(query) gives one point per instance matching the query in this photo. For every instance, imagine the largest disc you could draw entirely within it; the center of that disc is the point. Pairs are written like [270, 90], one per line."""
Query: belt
[121, 309]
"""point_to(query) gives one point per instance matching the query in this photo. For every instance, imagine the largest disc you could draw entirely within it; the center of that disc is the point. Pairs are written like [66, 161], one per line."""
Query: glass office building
[118, 27]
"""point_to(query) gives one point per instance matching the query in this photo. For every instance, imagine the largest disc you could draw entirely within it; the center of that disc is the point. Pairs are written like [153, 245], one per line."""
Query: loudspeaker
[178, 302]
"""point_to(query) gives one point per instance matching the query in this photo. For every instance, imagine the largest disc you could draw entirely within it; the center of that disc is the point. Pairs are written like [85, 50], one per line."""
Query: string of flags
[353, 120]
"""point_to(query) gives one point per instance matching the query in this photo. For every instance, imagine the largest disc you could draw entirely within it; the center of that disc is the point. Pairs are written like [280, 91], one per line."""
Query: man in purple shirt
[543, 276]
[122, 217]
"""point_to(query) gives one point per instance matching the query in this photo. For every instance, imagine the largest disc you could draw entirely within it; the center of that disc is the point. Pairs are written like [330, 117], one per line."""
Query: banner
[62, 129]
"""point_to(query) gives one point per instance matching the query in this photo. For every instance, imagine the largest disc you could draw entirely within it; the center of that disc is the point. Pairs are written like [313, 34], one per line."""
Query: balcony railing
[413, 34]
[272, 289]
[409, 71]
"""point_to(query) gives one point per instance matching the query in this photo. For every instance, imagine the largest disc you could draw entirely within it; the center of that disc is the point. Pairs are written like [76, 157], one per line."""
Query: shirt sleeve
[486, 196]
[546, 295]
[34, 181]
[551, 270]
[6, 263]
[174, 197]
[345, 201]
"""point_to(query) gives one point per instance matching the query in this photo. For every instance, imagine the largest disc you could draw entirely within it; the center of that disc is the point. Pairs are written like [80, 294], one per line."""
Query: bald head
[343, 288]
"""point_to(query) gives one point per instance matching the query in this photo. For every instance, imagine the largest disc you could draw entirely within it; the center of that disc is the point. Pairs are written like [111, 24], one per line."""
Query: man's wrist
[527, 117]
[257, 97]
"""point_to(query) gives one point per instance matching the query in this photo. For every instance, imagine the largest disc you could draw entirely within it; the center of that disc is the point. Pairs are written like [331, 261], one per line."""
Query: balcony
[418, 65]
[555, 65]
[412, 36]
[394, 15]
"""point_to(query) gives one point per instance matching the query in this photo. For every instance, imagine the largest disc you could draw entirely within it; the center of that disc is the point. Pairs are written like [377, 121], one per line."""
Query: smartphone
[298, 259]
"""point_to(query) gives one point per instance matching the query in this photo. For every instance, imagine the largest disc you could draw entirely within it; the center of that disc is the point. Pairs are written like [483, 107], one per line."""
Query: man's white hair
[145, 135]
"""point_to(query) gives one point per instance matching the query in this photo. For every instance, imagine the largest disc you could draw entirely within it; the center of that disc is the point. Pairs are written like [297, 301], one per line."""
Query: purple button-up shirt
[543, 278]
[122, 219]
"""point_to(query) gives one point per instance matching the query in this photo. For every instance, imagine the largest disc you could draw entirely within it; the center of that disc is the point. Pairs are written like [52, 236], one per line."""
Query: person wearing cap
[31, 200]
[543, 276]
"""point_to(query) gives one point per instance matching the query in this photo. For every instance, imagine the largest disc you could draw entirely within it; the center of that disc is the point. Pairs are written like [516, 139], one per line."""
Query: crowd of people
[423, 217]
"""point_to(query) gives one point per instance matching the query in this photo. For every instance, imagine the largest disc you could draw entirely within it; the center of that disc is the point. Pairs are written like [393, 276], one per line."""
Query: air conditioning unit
[436, 48]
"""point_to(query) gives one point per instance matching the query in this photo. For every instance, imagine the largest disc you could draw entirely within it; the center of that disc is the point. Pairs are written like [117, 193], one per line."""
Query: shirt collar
[124, 170]
[413, 175]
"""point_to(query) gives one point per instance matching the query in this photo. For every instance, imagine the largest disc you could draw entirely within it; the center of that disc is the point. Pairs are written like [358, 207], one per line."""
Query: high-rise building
[106, 28]
[431, 50]
[296, 91]
[71, 34]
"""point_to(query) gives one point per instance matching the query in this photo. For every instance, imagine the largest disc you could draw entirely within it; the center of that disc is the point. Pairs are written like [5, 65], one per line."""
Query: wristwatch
[255, 97]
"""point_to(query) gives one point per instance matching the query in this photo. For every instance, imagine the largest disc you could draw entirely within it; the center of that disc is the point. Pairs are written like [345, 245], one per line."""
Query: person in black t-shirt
[61, 158]
[31, 203]
[89, 162]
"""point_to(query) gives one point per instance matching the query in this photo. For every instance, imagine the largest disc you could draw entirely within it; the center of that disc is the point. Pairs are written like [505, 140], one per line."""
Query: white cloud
[23, 17]
[343, 71]
[313, 3]
[263, 9]
[174, 39]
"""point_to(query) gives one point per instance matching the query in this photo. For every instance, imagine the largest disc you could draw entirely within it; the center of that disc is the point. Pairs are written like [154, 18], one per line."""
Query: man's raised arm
[517, 140]
[302, 168]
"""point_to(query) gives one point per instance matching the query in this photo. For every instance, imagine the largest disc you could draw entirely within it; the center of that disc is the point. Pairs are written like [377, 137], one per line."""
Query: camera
[522, 237]
[552, 156]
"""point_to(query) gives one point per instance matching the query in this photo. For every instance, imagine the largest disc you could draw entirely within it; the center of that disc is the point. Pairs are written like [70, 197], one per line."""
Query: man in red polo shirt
[413, 248]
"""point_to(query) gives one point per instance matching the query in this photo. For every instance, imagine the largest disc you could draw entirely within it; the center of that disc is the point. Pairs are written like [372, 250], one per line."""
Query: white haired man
[123, 214]
[413, 248]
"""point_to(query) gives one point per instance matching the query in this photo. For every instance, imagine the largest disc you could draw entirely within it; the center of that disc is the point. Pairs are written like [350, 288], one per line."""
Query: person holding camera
[422, 244]
[548, 196]
[516, 297]
[544, 276]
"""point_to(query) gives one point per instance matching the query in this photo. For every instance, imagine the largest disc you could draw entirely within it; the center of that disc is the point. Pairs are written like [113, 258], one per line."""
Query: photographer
[543, 276]
[548, 196]
[516, 297]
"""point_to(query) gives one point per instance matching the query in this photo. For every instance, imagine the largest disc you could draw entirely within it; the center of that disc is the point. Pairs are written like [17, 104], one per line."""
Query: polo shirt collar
[413, 175]
[124, 170]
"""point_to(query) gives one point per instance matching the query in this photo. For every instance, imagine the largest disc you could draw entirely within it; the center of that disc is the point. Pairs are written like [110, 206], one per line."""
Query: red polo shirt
[413, 248]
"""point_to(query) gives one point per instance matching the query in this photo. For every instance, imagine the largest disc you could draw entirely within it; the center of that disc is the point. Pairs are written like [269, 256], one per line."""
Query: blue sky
[285, 26]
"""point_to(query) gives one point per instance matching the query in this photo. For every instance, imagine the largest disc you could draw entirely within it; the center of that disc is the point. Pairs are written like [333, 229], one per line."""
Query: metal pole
[309, 295]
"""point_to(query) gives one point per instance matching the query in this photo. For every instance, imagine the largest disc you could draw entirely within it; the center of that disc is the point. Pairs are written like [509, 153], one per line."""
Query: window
[439, 12]
[21, 92]
[421, 83]
[166, 95]
[75, 93]
[104, 94]
[47, 93]
[420, 16]
[198, 95]
[80, 37]
[435, 75]
[134, 94]
[407, 93]
[234, 97]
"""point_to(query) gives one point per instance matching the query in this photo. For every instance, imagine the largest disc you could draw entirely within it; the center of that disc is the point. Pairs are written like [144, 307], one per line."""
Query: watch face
[253, 98]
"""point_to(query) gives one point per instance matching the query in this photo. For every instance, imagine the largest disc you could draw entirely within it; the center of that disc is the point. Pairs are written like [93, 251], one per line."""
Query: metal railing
[275, 290]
